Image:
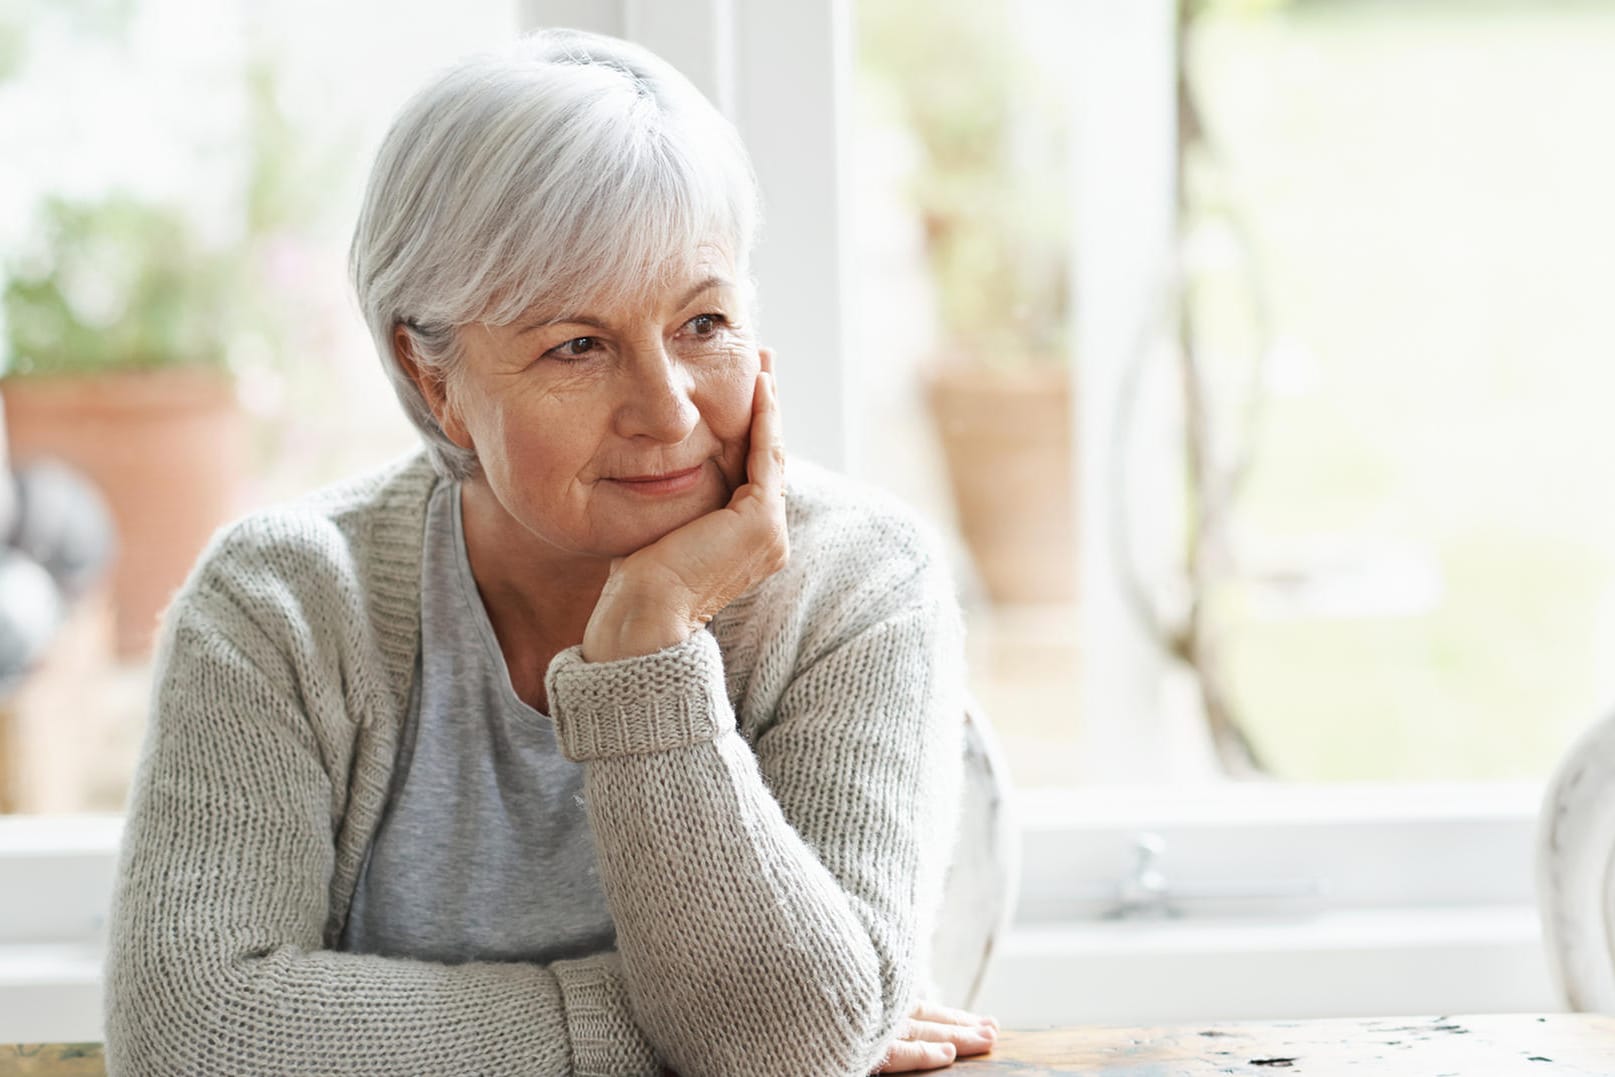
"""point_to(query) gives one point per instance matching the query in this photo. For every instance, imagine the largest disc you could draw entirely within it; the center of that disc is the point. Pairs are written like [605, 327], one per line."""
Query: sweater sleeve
[773, 904]
[216, 961]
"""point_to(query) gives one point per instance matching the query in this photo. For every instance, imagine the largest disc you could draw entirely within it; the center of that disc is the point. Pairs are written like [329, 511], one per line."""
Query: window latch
[1148, 893]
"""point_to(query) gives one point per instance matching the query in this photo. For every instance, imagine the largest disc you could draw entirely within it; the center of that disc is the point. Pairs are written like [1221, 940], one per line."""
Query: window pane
[1395, 233]
[1429, 557]
[181, 183]
[961, 223]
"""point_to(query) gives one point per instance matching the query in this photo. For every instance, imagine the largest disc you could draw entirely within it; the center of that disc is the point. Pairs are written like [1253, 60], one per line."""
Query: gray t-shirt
[484, 852]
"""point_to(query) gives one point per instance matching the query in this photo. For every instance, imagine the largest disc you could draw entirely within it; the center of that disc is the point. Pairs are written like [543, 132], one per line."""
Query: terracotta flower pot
[1007, 437]
[166, 447]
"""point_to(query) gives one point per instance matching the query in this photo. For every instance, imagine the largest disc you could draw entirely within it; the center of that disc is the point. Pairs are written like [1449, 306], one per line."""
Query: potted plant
[117, 324]
[118, 327]
[990, 191]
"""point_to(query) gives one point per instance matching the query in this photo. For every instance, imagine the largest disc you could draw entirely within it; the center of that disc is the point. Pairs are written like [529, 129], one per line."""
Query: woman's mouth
[660, 485]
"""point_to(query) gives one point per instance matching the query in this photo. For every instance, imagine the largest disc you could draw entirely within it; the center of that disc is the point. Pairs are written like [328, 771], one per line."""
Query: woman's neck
[538, 600]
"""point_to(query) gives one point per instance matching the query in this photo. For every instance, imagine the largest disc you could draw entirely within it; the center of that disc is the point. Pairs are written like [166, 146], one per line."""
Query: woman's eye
[576, 348]
[704, 325]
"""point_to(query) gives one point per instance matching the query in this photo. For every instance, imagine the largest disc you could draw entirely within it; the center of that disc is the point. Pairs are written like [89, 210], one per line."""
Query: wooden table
[1541, 1045]
[55, 1059]
[1546, 1045]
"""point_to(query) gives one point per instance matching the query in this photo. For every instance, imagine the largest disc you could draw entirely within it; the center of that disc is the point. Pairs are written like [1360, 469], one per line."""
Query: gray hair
[568, 167]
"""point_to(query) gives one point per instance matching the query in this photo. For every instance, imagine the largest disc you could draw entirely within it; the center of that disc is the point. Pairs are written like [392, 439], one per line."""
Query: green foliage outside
[98, 17]
[118, 285]
[1435, 223]
[991, 186]
[126, 283]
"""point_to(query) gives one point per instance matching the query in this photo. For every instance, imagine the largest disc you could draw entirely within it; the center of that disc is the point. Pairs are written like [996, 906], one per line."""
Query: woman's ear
[433, 387]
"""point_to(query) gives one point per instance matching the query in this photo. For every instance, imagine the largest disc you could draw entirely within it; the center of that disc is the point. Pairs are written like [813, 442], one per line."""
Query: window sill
[1359, 963]
[50, 993]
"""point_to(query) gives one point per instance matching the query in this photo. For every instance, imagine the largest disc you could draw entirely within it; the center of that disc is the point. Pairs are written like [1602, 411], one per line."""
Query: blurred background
[1389, 558]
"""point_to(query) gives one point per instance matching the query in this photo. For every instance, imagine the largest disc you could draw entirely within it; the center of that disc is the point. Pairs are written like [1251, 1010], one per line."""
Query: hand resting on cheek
[657, 596]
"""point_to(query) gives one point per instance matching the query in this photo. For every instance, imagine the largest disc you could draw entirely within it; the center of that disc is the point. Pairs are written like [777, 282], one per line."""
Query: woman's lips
[670, 482]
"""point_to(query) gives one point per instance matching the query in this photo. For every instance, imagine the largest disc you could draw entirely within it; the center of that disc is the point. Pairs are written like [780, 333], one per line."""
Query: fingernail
[990, 1021]
[948, 1052]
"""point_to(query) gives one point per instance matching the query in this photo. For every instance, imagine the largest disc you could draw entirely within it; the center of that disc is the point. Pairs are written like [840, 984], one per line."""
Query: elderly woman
[585, 742]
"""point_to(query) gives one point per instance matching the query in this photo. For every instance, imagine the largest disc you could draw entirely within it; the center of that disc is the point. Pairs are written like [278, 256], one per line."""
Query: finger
[968, 1039]
[765, 462]
[908, 1056]
[766, 357]
[927, 1011]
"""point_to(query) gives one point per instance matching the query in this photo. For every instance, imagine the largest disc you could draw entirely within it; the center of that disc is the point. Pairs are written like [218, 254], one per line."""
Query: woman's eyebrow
[709, 283]
[540, 322]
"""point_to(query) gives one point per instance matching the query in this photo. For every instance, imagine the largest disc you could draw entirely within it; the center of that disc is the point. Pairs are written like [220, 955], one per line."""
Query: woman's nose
[657, 399]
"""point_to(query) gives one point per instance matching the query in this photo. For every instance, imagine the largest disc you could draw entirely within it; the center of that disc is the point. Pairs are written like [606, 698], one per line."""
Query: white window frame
[55, 888]
[1424, 903]
[1427, 903]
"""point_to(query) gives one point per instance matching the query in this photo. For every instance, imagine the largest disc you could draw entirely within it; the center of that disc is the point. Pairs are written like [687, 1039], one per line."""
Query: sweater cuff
[634, 706]
[600, 1021]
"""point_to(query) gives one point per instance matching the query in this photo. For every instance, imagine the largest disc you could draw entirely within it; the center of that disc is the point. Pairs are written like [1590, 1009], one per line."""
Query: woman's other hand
[934, 1036]
[656, 597]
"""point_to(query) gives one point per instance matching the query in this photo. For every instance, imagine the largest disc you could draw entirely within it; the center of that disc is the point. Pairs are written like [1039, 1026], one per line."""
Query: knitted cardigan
[772, 801]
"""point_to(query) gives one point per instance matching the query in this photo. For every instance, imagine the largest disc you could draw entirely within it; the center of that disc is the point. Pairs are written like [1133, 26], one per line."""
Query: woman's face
[600, 430]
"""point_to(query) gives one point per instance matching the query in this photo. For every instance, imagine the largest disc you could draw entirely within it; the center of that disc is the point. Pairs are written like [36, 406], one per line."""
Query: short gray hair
[569, 166]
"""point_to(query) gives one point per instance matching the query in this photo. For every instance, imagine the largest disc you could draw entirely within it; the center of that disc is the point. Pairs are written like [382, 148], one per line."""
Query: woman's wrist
[671, 699]
[615, 638]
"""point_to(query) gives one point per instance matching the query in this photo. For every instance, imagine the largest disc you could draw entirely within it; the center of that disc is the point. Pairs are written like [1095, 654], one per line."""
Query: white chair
[1576, 872]
[979, 890]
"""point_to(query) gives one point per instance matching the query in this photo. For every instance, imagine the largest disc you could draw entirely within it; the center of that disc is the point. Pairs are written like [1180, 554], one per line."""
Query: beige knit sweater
[772, 801]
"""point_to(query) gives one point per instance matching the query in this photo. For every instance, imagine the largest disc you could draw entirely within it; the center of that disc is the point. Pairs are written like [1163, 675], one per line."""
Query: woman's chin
[645, 524]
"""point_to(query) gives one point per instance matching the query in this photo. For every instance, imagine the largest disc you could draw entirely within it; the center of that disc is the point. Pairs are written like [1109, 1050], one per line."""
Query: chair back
[979, 890]
[1576, 871]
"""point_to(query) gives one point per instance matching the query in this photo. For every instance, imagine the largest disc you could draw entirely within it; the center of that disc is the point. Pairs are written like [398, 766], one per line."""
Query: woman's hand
[934, 1036]
[656, 597]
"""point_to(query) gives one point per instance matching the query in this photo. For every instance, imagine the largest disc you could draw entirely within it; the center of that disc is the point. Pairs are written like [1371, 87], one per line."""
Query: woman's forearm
[754, 941]
[217, 960]
[291, 1011]
[743, 954]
